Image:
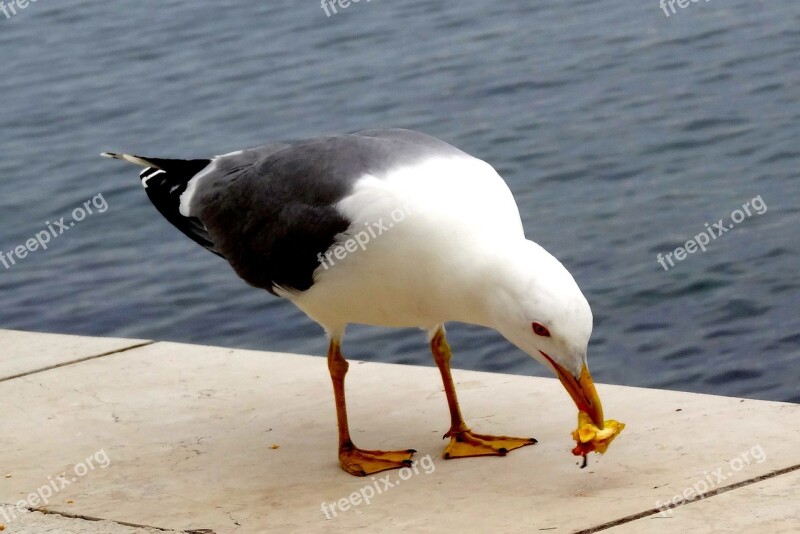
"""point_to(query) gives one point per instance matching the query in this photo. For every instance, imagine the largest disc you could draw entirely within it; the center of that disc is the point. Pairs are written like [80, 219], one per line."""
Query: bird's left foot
[465, 444]
[360, 462]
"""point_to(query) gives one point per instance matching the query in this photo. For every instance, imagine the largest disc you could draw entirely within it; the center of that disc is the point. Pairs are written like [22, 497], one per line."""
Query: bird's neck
[487, 292]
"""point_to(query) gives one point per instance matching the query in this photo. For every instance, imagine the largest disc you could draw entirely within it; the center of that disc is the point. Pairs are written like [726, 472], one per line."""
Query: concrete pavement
[148, 437]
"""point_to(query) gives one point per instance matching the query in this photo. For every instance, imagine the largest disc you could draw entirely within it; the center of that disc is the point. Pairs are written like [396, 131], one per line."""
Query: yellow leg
[463, 442]
[358, 462]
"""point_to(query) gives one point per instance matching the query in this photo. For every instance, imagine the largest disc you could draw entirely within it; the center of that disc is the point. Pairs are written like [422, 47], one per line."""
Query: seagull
[392, 228]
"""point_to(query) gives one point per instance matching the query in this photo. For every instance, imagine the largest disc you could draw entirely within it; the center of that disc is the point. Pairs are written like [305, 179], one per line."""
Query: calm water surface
[621, 132]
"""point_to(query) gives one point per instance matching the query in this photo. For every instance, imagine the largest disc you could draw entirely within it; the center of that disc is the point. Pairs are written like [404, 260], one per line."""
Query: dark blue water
[620, 131]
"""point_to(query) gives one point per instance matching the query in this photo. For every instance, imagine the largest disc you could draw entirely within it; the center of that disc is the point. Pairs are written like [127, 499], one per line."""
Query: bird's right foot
[465, 443]
[361, 462]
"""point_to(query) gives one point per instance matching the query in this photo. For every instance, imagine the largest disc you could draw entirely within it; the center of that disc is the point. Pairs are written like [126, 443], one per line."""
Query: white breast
[415, 246]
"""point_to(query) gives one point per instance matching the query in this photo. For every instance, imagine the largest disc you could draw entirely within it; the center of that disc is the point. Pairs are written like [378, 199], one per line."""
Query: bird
[391, 228]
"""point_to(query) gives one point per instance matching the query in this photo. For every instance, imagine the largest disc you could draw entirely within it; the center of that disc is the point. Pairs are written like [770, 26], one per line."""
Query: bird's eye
[540, 330]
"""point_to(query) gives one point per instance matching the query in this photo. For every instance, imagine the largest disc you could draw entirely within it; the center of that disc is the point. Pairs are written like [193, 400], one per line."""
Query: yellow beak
[581, 390]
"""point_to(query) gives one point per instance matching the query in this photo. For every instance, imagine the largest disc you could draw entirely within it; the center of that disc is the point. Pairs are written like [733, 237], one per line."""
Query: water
[620, 131]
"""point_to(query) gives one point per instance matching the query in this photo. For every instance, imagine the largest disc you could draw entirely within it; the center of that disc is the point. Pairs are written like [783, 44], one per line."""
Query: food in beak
[593, 433]
[592, 438]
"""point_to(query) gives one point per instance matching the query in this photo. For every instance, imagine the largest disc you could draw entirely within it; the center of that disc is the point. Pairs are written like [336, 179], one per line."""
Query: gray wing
[271, 211]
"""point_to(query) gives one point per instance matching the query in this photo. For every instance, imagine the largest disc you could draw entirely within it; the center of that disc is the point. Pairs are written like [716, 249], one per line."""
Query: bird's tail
[179, 170]
[165, 180]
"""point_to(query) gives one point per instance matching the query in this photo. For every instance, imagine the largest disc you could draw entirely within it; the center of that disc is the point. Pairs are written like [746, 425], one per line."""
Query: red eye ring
[540, 330]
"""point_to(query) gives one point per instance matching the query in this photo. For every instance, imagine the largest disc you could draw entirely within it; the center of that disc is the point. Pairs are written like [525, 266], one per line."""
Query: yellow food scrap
[275, 446]
[591, 438]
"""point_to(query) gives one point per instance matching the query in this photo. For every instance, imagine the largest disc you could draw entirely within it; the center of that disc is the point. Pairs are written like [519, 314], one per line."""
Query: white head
[537, 305]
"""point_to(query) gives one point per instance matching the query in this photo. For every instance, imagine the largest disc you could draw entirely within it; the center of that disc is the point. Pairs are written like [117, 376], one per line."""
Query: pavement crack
[69, 515]
[79, 360]
[718, 491]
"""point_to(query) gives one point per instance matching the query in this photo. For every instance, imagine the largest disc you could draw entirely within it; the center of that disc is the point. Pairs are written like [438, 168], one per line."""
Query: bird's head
[539, 307]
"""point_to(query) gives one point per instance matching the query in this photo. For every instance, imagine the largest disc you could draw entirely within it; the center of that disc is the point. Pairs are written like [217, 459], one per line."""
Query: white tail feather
[136, 160]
